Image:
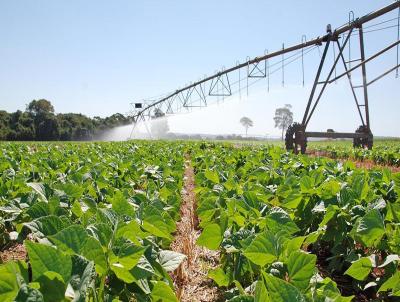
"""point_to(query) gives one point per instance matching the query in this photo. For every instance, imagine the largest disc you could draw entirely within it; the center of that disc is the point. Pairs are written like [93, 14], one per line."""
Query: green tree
[47, 128]
[38, 107]
[4, 124]
[25, 127]
[283, 118]
[246, 123]
[20, 126]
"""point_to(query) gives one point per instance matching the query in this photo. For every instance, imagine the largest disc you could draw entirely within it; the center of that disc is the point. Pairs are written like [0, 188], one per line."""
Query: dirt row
[14, 252]
[190, 279]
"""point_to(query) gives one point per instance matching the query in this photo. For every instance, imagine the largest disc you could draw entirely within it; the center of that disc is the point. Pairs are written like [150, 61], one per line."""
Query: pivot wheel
[295, 139]
[365, 142]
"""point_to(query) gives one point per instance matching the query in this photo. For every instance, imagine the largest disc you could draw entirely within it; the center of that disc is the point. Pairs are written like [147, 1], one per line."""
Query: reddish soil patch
[366, 164]
[190, 279]
[15, 252]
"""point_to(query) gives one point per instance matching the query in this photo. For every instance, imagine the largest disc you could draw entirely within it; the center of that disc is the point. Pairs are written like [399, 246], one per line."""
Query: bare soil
[15, 252]
[190, 278]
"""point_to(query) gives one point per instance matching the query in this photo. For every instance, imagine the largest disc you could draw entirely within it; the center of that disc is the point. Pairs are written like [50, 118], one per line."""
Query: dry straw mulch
[190, 279]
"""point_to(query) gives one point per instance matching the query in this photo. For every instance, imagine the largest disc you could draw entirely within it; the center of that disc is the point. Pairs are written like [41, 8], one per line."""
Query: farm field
[386, 152]
[197, 221]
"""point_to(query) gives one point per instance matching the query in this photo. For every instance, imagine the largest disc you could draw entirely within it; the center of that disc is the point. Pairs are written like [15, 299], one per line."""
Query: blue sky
[95, 57]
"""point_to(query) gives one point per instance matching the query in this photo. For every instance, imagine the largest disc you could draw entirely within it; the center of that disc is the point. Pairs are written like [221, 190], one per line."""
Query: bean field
[197, 221]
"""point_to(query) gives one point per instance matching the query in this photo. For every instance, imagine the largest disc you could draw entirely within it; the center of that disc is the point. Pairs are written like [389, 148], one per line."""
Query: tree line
[40, 122]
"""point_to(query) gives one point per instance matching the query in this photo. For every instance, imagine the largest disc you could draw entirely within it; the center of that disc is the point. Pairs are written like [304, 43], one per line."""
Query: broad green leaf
[281, 291]
[71, 239]
[143, 269]
[278, 220]
[360, 186]
[52, 286]
[219, 276]
[28, 294]
[8, 283]
[38, 209]
[157, 228]
[45, 226]
[121, 205]
[93, 251]
[107, 216]
[307, 184]
[293, 245]
[206, 209]
[393, 211]
[329, 290]
[392, 283]
[76, 209]
[263, 249]
[293, 200]
[313, 237]
[360, 269]
[211, 237]
[44, 258]
[369, 229]
[170, 260]
[102, 232]
[73, 190]
[331, 212]
[165, 193]
[154, 224]
[122, 273]
[347, 196]
[260, 292]
[329, 189]
[129, 255]
[230, 184]
[169, 222]
[162, 293]
[39, 189]
[212, 176]
[301, 268]
[131, 231]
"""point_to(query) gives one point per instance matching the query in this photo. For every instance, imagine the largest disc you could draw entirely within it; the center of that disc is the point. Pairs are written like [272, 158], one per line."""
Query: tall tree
[246, 123]
[283, 118]
[39, 107]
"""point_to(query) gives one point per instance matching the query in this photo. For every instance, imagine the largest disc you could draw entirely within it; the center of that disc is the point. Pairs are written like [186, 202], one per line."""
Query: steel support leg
[364, 75]
[321, 64]
[351, 86]
[328, 78]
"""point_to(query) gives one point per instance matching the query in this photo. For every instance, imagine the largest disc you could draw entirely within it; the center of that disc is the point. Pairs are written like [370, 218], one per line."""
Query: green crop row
[95, 219]
[387, 153]
[297, 228]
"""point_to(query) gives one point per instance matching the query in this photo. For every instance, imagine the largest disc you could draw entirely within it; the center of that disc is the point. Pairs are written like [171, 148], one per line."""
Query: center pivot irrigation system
[219, 85]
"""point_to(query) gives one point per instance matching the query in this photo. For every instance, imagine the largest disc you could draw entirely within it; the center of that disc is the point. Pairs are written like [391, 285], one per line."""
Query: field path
[190, 279]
